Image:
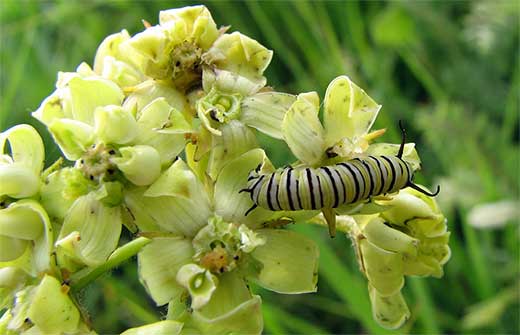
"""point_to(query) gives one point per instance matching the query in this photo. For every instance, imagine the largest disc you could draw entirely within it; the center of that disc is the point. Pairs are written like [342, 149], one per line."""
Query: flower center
[96, 163]
[185, 64]
[222, 247]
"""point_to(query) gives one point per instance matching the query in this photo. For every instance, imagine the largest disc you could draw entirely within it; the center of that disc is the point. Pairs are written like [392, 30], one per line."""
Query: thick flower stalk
[205, 249]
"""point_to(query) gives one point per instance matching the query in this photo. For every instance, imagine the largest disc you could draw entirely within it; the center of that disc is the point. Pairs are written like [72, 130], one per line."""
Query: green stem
[82, 278]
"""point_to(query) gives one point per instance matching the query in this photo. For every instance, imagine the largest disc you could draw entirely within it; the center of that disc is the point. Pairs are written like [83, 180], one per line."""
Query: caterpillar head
[254, 174]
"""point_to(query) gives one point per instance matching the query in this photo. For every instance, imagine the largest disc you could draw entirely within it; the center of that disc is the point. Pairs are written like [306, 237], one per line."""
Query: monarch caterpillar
[327, 187]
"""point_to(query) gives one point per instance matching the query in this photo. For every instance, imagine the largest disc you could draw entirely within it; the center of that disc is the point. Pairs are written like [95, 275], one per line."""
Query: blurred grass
[450, 70]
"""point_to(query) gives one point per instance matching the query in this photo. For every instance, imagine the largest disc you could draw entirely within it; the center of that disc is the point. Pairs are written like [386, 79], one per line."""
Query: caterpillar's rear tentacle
[403, 141]
[417, 188]
[248, 190]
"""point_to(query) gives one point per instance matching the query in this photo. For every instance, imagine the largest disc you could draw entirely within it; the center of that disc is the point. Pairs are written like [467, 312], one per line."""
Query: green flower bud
[199, 282]
[141, 164]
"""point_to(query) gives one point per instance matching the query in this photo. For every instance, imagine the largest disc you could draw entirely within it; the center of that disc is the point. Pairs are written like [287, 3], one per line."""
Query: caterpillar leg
[330, 217]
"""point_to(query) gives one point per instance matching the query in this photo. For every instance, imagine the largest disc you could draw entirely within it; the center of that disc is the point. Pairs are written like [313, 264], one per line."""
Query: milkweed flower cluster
[159, 138]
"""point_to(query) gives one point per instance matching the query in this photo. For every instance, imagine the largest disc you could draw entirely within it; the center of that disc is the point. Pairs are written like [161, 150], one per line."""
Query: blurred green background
[448, 69]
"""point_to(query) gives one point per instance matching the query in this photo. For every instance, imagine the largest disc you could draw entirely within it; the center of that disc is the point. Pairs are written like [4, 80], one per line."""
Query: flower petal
[51, 309]
[26, 146]
[199, 282]
[390, 239]
[141, 164]
[177, 200]
[99, 228]
[235, 140]
[27, 220]
[348, 111]
[150, 90]
[17, 181]
[229, 203]
[152, 118]
[113, 124]
[240, 54]
[165, 327]
[89, 93]
[391, 312]
[159, 263]
[229, 82]
[290, 262]
[303, 131]
[232, 309]
[60, 189]
[73, 137]
[191, 23]
[266, 111]
[384, 269]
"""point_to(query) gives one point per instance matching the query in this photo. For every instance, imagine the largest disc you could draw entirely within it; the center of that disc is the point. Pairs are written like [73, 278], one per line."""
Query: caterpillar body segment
[331, 186]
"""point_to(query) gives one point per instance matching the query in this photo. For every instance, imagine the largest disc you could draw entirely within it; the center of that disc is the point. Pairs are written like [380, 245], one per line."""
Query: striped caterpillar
[328, 187]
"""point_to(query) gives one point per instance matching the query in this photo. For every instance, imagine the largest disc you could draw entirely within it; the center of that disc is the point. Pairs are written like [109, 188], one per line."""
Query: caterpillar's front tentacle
[403, 141]
[417, 188]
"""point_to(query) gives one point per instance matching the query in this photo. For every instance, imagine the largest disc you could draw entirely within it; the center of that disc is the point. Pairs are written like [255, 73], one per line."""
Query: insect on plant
[329, 187]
